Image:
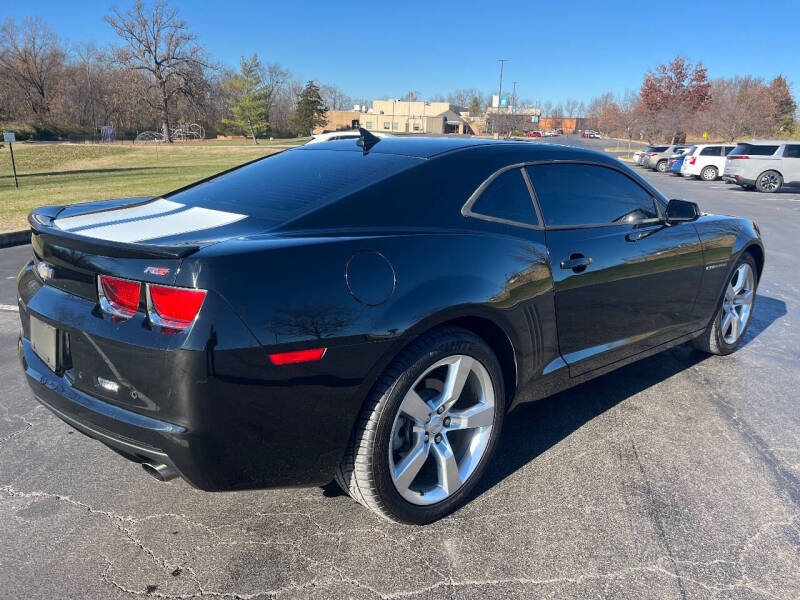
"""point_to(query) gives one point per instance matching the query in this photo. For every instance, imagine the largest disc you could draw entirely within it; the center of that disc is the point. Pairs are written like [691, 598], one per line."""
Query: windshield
[287, 185]
[753, 150]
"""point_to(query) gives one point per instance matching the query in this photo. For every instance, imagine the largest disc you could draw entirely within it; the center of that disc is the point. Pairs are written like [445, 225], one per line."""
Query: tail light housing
[692, 160]
[118, 297]
[738, 157]
[652, 154]
[173, 308]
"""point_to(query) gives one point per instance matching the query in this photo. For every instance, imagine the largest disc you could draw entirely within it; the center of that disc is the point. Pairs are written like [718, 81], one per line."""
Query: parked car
[764, 165]
[658, 158]
[288, 322]
[533, 134]
[595, 135]
[332, 136]
[706, 161]
[676, 161]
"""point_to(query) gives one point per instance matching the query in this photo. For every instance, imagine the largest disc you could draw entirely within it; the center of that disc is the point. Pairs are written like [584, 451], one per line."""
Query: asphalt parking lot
[676, 477]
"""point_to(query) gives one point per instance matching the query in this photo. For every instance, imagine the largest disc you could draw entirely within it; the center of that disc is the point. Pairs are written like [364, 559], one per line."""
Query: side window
[710, 151]
[727, 150]
[576, 194]
[507, 197]
[792, 151]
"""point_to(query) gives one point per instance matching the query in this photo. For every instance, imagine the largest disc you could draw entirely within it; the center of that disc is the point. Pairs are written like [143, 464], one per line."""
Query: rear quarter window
[711, 151]
[754, 150]
[792, 151]
[507, 198]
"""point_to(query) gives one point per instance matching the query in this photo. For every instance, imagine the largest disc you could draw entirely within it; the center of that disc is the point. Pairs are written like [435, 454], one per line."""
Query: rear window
[286, 185]
[658, 148]
[753, 150]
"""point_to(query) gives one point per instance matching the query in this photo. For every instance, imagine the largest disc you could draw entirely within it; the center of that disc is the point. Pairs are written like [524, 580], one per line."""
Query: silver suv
[658, 157]
[766, 165]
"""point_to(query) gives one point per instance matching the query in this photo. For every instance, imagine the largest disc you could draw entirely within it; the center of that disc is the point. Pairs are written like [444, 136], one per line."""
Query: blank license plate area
[43, 342]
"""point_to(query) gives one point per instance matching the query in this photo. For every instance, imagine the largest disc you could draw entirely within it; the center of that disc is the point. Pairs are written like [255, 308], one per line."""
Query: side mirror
[681, 210]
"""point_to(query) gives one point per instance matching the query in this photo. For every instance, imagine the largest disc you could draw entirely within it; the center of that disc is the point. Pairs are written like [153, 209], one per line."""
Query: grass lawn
[70, 173]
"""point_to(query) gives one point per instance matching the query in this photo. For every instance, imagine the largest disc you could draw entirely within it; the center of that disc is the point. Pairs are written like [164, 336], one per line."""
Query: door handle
[576, 262]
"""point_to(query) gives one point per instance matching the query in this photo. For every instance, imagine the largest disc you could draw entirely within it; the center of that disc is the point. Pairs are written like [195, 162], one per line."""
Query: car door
[624, 281]
[791, 164]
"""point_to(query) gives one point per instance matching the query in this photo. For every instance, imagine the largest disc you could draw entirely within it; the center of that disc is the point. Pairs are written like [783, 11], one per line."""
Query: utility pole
[502, 62]
[514, 98]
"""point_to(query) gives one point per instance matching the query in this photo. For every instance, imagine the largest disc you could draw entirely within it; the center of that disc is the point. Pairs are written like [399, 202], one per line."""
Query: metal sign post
[8, 136]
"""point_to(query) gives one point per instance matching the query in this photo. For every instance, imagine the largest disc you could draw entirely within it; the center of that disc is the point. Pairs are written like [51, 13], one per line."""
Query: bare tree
[741, 106]
[571, 107]
[160, 45]
[335, 98]
[31, 60]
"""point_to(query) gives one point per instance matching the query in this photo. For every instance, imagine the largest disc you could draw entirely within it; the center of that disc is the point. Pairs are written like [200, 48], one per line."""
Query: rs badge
[160, 271]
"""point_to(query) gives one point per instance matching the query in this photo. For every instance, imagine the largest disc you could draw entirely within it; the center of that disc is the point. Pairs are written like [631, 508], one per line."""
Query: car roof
[417, 146]
[768, 142]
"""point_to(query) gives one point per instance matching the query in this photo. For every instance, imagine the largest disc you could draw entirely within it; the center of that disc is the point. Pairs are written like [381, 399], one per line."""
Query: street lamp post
[502, 62]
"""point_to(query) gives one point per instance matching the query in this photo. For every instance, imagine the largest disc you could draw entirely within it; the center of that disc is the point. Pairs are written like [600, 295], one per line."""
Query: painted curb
[15, 238]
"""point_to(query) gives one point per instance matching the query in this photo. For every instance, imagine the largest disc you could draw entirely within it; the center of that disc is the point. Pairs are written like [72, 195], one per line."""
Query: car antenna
[367, 140]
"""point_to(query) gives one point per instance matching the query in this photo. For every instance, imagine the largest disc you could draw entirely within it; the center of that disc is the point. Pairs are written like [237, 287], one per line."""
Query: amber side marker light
[300, 356]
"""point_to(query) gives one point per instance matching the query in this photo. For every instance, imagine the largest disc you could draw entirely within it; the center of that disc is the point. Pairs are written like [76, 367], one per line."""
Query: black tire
[711, 341]
[364, 470]
[709, 173]
[769, 181]
[661, 166]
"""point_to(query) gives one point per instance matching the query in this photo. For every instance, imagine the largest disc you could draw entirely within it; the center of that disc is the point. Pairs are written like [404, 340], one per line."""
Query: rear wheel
[708, 173]
[661, 166]
[727, 328]
[428, 429]
[769, 181]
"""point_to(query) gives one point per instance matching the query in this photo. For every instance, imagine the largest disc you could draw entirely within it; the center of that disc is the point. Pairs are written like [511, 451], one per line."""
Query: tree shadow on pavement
[534, 428]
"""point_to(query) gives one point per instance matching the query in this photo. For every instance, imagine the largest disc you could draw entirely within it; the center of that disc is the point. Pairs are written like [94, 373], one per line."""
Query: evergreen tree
[475, 109]
[310, 111]
[784, 104]
[248, 98]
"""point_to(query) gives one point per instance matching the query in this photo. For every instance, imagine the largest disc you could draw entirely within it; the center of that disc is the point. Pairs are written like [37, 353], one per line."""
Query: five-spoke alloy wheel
[442, 429]
[428, 429]
[726, 330]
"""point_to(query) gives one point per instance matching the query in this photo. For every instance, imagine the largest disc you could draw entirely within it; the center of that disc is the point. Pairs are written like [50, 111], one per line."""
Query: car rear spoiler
[41, 222]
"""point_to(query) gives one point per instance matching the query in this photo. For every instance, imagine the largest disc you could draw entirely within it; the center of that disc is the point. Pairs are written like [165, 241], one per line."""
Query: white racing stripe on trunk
[149, 209]
[185, 221]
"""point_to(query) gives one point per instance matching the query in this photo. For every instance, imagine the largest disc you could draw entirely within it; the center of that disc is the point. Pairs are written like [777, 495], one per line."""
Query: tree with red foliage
[674, 93]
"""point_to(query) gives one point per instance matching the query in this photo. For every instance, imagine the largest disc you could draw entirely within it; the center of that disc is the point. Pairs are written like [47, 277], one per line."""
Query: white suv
[764, 164]
[706, 161]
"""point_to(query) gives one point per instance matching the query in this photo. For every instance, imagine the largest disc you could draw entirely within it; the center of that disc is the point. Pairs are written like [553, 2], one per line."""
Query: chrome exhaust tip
[161, 471]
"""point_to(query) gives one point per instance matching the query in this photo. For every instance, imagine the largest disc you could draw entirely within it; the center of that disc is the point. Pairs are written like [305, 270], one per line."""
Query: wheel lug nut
[447, 421]
[438, 438]
[427, 437]
[440, 410]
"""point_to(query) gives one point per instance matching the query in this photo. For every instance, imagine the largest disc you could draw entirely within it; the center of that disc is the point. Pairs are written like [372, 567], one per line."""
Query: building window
[416, 127]
[369, 124]
[386, 124]
[394, 125]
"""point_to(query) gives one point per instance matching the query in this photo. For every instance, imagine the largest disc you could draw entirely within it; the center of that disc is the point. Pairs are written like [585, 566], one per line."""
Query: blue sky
[555, 50]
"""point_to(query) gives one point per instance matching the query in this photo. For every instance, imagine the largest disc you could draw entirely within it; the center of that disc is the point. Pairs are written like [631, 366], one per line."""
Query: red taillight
[174, 308]
[738, 157]
[119, 297]
[692, 160]
[290, 358]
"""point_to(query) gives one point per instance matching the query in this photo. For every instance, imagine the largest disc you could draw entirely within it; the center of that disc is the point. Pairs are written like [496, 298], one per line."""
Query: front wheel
[769, 181]
[708, 173]
[726, 330]
[428, 429]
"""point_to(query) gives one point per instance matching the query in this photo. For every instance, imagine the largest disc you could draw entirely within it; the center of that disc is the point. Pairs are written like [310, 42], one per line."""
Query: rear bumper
[738, 180]
[219, 413]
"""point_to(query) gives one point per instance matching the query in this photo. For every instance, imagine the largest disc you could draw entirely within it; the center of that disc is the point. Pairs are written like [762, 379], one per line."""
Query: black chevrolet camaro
[366, 310]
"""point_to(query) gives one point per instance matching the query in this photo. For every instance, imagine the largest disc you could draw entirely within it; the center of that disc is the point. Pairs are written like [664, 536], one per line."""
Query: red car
[533, 134]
